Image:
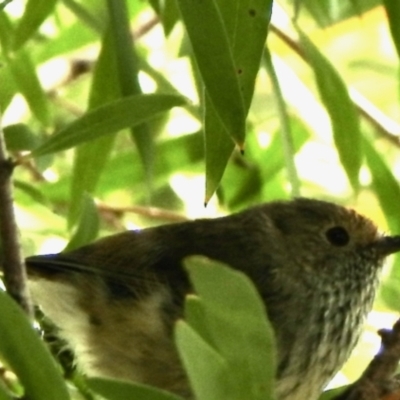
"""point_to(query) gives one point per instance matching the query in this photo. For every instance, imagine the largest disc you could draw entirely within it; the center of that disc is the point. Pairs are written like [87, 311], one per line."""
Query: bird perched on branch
[314, 264]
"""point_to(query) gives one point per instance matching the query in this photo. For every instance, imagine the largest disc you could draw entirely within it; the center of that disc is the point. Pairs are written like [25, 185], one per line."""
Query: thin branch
[150, 212]
[378, 380]
[13, 265]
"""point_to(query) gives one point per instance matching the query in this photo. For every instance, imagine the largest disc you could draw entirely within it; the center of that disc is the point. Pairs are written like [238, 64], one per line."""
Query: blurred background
[324, 122]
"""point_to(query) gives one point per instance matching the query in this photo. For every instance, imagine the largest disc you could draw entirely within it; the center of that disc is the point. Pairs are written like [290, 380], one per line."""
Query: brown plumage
[315, 265]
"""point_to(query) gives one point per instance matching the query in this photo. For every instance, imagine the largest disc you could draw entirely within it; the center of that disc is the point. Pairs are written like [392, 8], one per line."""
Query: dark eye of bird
[338, 236]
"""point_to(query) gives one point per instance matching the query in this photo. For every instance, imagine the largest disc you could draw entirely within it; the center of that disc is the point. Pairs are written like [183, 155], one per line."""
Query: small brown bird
[315, 265]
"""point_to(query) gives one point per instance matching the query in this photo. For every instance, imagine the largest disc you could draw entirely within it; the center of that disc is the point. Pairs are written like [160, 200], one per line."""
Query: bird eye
[338, 236]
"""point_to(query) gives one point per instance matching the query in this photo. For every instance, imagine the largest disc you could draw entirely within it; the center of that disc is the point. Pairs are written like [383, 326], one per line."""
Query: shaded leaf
[393, 13]
[387, 190]
[127, 70]
[32, 362]
[344, 118]
[88, 225]
[219, 148]
[108, 119]
[207, 370]
[36, 11]
[25, 77]
[91, 158]
[19, 137]
[238, 326]
[214, 58]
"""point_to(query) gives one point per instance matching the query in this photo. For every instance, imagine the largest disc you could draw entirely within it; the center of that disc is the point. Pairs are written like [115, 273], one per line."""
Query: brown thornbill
[315, 265]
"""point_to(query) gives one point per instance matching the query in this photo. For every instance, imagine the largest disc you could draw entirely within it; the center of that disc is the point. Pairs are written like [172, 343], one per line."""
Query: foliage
[146, 107]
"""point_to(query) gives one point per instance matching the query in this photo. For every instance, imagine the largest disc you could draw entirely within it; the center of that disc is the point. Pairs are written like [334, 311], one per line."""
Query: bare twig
[13, 265]
[150, 212]
[377, 382]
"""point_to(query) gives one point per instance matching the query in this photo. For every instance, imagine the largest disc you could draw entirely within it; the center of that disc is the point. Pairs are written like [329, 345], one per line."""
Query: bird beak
[388, 245]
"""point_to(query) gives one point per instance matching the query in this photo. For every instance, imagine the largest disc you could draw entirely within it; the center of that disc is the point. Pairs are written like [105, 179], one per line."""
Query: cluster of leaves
[98, 133]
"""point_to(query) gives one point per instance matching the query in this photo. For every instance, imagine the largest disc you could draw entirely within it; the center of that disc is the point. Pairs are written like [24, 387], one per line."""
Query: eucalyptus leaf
[26, 354]
[36, 11]
[344, 117]
[88, 225]
[208, 372]
[214, 57]
[109, 118]
[238, 327]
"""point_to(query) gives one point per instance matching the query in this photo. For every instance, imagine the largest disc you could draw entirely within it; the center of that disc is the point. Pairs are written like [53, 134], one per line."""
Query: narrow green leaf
[28, 83]
[344, 118]
[195, 316]
[387, 190]
[6, 32]
[286, 129]
[274, 153]
[169, 16]
[69, 39]
[4, 395]
[108, 119]
[385, 186]
[91, 158]
[219, 148]
[393, 14]
[19, 137]
[238, 326]
[128, 76]
[119, 390]
[247, 26]
[85, 16]
[25, 353]
[214, 58]
[32, 191]
[8, 87]
[36, 11]
[88, 225]
[208, 372]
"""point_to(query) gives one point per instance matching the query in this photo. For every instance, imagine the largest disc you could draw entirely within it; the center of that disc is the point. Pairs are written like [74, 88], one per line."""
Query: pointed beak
[388, 245]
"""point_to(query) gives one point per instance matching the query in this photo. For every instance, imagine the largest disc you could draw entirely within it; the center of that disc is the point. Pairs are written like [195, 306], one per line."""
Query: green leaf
[286, 128]
[8, 87]
[69, 39]
[19, 137]
[36, 11]
[214, 58]
[108, 119]
[247, 26]
[25, 353]
[88, 225]
[28, 83]
[208, 372]
[238, 327]
[228, 55]
[385, 186]
[6, 32]
[219, 148]
[393, 14]
[195, 316]
[91, 158]
[387, 190]
[344, 118]
[119, 390]
[4, 395]
[128, 76]
[274, 153]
